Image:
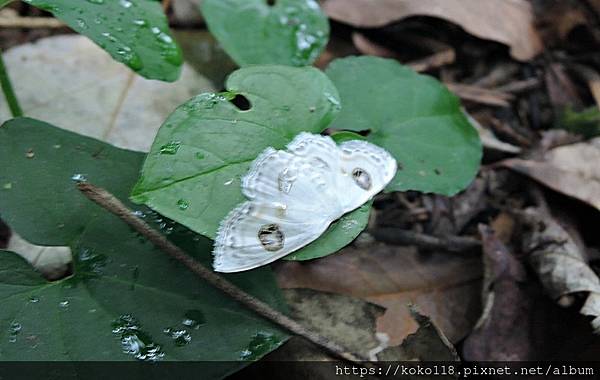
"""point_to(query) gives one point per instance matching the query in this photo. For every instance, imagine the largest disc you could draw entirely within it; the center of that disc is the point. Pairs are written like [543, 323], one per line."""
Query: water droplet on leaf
[180, 337]
[78, 177]
[183, 204]
[134, 341]
[193, 319]
[261, 343]
[170, 148]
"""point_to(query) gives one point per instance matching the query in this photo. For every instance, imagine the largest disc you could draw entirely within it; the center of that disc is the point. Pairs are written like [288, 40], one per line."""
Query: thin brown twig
[113, 205]
[131, 76]
[449, 243]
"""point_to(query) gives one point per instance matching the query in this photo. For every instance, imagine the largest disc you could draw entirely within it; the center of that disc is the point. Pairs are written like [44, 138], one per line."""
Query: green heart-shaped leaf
[192, 173]
[290, 32]
[414, 117]
[133, 32]
[125, 298]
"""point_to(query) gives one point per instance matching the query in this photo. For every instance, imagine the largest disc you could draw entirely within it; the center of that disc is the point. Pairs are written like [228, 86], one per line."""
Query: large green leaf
[134, 32]
[414, 117]
[290, 32]
[123, 291]
[192, 173]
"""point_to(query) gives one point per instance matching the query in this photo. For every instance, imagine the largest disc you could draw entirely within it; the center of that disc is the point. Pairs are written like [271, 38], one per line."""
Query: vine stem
[9, 93]
[109, 202]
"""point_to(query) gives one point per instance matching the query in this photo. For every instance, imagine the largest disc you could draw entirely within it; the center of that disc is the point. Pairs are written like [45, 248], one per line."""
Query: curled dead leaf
[560, 263]
[571, 169]
[515, 28]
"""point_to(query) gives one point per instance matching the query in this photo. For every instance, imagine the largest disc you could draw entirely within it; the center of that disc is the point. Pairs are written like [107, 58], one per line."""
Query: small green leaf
[414, 117]
[216, 142]
[134, 32]
[125, 300]
[290, 32]
[341, 136]
[586, 122]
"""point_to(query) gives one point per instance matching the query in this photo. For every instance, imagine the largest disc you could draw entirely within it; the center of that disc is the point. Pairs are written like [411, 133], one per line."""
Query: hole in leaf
[4, 234]
[271, 2]
[241, 102]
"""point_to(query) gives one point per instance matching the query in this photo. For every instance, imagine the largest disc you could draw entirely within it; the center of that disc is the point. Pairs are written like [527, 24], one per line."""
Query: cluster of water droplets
[207, 101]
[180, 337]
[262, 343]
[13, 331]
[134, 341]
[121, 25]
[165, 225]
[308, 39]
[90, 262]
[170, 148]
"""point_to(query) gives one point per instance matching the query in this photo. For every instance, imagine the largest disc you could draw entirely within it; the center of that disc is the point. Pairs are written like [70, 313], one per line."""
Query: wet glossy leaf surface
[134, 32]
[125, 300]
[289, 32]
[192, 173]
[414, 117]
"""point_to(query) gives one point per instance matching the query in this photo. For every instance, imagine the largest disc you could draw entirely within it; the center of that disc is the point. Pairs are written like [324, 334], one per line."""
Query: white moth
[295, 195]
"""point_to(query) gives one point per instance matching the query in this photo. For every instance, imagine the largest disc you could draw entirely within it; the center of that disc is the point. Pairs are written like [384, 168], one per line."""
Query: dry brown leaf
[347, 320]
[444, 286]
[481, 18]
[560, 262]
[480, 95]
[561, 89]
[571, 169]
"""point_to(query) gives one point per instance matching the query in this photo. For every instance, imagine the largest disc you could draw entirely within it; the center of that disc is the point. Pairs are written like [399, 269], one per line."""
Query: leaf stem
[113, 205]
[9, 93]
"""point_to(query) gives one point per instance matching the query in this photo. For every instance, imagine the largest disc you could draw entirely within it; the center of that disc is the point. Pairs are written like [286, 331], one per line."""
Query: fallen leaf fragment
[444, 286]
[571, 169]
[560, 263]
[428, 343]
[503, 332]
[514, 28]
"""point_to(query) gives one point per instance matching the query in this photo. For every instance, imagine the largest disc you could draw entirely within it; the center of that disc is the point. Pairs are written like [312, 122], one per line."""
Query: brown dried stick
[112, 204]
